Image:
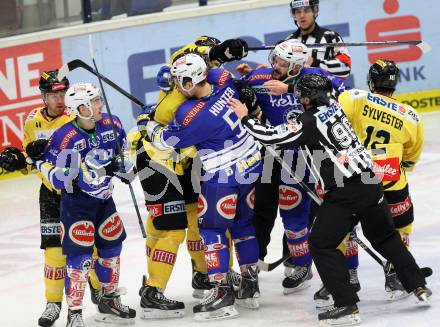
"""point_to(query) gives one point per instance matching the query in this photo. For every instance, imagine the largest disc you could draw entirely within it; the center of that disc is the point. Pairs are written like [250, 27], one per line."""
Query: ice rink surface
[21, 261]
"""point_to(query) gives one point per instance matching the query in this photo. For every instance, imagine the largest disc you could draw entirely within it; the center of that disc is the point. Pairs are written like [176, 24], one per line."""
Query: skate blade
[397, 295]
[198, 294]
[150, 313]
[324, 304]
[301, 287]
[251, 303]
[423, 301]
[112, 319]
[350, 320]
[228, 312]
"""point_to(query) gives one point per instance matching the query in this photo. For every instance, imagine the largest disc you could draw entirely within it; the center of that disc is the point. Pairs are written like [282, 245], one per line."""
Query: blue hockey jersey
[279, 109]
[227, 152]
[68, 148]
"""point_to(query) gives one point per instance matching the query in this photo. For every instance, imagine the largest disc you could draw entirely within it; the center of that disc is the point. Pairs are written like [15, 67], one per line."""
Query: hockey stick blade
[264, 266]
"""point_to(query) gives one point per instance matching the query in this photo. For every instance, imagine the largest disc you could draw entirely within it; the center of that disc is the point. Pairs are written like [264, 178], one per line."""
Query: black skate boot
[200, 283]
[340, 316]
[422, 294]
[298, 280]
[155, 305]
[218, 304]
[393, 286]
[95, 294]
[111, 310]
[323, 299]
[50, 314]
[354, 280]
[74, 318]
[248, 293]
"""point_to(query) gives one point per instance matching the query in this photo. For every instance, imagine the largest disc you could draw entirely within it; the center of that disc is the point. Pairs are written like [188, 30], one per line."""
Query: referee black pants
[334, 219]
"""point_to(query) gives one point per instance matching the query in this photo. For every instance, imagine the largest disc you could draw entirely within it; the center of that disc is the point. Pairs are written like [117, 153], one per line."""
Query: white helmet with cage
[190, 67]
[81, 94]
[292, 51]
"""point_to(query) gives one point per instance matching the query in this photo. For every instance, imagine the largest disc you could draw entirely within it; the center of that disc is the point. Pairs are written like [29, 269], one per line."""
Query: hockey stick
[77, 63]
[115, 134]
[423, 46]
[427, 271]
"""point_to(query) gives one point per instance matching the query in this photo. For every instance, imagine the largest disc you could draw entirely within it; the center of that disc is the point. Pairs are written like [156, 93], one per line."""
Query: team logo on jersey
[111, 229]
[291, 235]
[299, 250]
[82, 233]
[399, 208]
[173, 207]
[351, 248]
[387, 170]
[155, 210]
[164, 257]
[195, 245]
[250, 199]
[202, 206]
[212, 260]
[55, 273]
[289, 197]
[227, 206]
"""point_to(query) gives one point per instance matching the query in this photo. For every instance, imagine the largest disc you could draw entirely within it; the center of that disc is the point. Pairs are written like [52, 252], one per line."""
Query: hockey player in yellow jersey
[393, 132]
[38, 127]
[163, 176]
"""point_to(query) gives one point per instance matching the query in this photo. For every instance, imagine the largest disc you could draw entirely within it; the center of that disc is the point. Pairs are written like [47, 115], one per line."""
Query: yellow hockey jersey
[167, 105]
[392, 131]
[40, 126]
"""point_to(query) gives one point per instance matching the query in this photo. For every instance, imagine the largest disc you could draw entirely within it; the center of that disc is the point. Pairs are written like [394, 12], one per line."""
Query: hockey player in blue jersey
[275, 189]
[80, 159]
[231, 163]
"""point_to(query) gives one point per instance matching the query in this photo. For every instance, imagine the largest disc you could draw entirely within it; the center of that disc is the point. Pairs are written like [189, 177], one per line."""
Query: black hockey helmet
[50, 83]
[383, 75]
[206, 41]
[314, 4]
[316, 87]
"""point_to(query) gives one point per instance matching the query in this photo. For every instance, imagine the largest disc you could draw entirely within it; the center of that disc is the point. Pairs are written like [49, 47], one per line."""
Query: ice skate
[112, 311]
[300, 279]
[155, 305]
[218, 304]
[340, 316]
[248, 292]
[50, 314]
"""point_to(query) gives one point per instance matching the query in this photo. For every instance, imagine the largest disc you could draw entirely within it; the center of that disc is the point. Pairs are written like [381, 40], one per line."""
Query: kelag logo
[140, 64]
[400, 28]
[20, 70]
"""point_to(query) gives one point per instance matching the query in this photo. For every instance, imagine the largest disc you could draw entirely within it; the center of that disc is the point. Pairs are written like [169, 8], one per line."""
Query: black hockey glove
[247, 96]
[125, 170]
[12, 159]
[35, 149]
[229, 50]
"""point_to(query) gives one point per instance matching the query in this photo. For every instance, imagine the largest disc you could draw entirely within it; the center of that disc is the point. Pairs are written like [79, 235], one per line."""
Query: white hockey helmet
[81, 94]
[190, 67]
[292, 51]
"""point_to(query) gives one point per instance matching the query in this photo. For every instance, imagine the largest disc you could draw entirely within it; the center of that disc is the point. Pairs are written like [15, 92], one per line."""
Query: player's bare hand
[243, 69]
[276, 87]
[239, 108]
